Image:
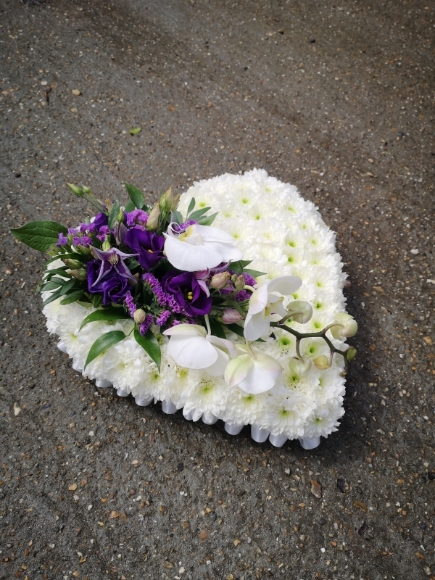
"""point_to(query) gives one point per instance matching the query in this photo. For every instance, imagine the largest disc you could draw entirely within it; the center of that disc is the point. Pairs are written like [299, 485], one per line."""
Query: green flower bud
[239, 282]
[79, 274]
[166, 201]
[75, 189]
[220, 280]
[153, 218]
[106, 245]
[74, 264]
[139, 316]
[86, 189]
[321, 362]
[351, 353]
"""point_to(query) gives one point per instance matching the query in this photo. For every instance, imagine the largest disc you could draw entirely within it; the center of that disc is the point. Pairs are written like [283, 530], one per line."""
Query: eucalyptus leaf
[207, 220]
[196, 215]
[108, 314]
[135, 195]
[150, 345]
[39, 235]
[176, 217]
[191, 206]
[103, 343]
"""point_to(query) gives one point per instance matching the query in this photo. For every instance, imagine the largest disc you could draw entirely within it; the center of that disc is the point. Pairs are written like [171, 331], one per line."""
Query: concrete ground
[335, 97]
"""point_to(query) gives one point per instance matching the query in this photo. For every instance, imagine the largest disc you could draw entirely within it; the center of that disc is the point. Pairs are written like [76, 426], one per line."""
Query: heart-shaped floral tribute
[242, 320]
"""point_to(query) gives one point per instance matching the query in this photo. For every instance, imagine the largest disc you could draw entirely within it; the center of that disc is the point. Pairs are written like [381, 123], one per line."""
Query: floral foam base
[285, 235]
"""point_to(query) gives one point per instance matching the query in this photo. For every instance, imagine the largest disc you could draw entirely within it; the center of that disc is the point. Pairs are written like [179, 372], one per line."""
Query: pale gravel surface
[335, 97]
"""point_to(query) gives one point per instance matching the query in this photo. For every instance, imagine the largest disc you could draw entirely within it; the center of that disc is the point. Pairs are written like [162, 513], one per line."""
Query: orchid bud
[79, 274]
[220, 280]
[153, 218]
[321, 362]
[139, 316]
[299, 367]
[74, 264]
[300, 311]
[230, 316]
[75, 189]
[167, 201]
[239, 282]
[346, 326]
[351, 353]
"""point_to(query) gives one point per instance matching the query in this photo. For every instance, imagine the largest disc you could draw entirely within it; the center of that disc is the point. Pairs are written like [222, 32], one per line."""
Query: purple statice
[73, 231]
[145, 325]
[103, 232]
[82, 241]
[163, 317]
[87, 228]
[156, 288]
[136, 217]
[249, 280]
[243, 295]
[129, 300]
[63, 240]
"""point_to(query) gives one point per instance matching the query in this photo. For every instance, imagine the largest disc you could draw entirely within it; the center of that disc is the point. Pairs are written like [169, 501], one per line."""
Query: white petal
[190, 258]
[238, 369]
[258, 300]
[285, 284]
[257, 381]
[186, 330]
[212, 234]
[192, 352]
[256, 326]
[217, 369]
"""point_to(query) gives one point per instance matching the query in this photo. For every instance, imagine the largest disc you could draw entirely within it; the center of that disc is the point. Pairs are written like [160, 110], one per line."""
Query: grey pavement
[335, 97]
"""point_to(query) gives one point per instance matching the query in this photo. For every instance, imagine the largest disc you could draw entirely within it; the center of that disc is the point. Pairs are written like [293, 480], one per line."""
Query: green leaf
[53, 297]
[135, 131]
[104, 342]
[176, 217]
[72, 284]
[97, 300]
[207, 220]
[191, 206]
[150, 345]
[196, 215]
[239, 266]
[72, 297]
[236, 329]
[129, 206]
[105, 314]
[114, 214]
[217, 328]
[135, 195]
[48, 275]
[39, 235]
[53, 285]
[254, 273]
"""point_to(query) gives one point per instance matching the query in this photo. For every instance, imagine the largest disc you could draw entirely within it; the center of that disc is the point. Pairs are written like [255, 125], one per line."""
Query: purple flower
[155, 288]
[129, 300]
[112, 261]
[113, 286]
[137, 216]
[100, 220]
[82, 241]
[180, 228]
[147, 245]
[63, 240]
[144, 326]
[162, 318]
[187, 292]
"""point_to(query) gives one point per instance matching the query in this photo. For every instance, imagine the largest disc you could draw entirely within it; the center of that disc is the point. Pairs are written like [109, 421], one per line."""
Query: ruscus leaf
[135, 195]
[103, 343]
[107, 314]
[150, 345]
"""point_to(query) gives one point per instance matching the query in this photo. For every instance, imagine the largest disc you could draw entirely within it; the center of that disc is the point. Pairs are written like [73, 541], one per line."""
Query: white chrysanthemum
[124, 364]
[207, 396]
[70, 321]
[324, 419]
[53, 312]
[286, 412]
[244, 408]
[330, 384]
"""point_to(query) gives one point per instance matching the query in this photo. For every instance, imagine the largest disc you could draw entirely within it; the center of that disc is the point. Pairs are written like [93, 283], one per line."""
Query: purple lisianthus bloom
[187, 292]
[147, 245]
[112, 261]
[113, 287]
[100, 220]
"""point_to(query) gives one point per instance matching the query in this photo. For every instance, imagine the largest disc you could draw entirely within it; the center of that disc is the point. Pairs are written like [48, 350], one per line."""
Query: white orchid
[252, 371]
[265, 302]
[191, 347]
[199, 248]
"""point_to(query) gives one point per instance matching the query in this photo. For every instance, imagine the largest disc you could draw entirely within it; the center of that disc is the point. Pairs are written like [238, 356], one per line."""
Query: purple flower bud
[231, 316]
[220, 280]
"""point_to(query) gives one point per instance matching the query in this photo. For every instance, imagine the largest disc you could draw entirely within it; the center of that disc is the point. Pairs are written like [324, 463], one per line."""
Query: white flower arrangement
[247, 355]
